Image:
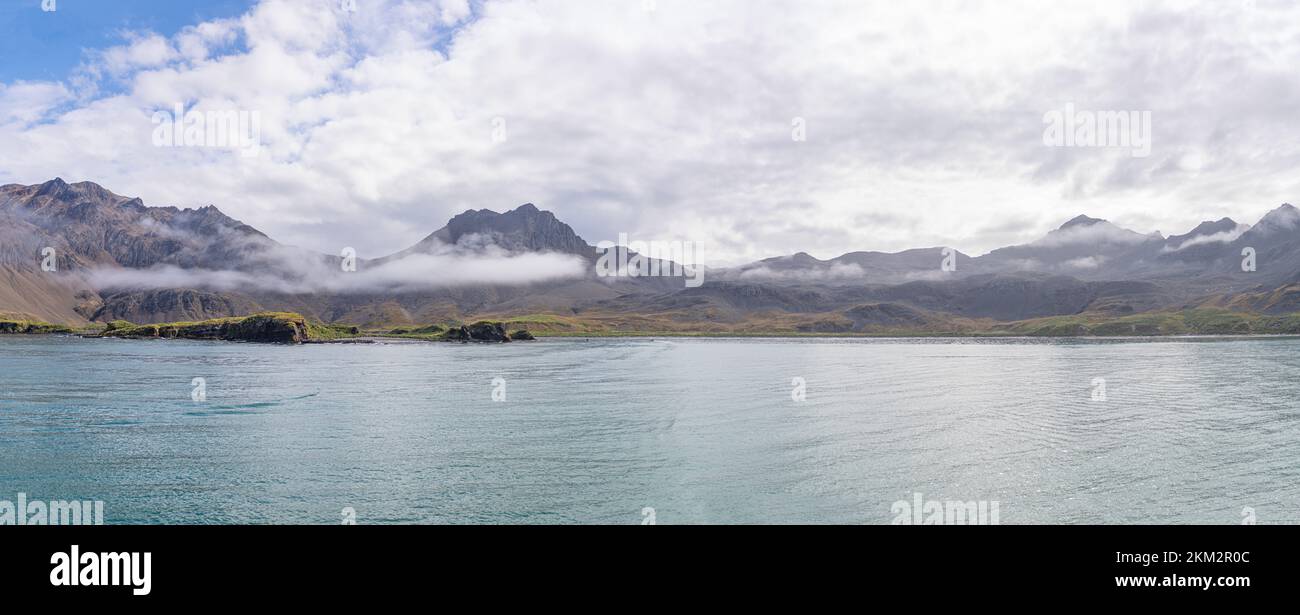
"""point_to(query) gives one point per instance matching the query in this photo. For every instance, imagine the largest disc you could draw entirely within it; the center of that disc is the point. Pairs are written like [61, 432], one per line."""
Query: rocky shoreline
[293, 328]
[274, 328]
[270, 328]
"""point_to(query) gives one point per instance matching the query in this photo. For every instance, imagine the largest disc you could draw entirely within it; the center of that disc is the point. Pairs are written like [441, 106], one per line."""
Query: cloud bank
[414, 273]
[752, 127]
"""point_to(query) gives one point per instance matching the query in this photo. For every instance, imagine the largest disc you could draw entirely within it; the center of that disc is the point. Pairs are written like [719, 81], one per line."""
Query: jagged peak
[526, 210]
[525, 227]
[206, 212]
[1211, 227]
[1081, 220]
[797, 257]
[52, 188]
[1285, 216]
[90, 187]
[58, 188]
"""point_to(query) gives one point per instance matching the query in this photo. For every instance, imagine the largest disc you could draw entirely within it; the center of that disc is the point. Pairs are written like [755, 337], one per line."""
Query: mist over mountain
[117, 258]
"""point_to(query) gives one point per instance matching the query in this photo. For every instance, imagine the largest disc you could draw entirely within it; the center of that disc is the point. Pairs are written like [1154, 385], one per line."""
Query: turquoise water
[702, 431]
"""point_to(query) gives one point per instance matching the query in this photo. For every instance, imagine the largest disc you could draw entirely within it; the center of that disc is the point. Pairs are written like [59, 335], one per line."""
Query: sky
[38, 48]
[752, 128]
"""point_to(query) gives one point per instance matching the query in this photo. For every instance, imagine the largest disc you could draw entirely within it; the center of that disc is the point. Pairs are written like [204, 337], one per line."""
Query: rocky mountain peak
[1222, 225]
[55, 188]
[81, 191]
[524, 228]
[1081, 220]
[1285, 217]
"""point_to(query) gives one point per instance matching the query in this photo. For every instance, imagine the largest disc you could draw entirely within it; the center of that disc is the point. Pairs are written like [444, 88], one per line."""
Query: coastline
[641, 335]
[293, 328]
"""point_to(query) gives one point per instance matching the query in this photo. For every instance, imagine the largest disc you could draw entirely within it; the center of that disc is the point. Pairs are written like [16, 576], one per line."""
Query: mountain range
[116, 258]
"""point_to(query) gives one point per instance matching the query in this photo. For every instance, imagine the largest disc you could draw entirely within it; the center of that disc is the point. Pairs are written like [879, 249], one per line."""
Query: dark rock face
[522, 336]
[523, 229]
[885, 315]
[97, 227]
[266, 329]
[744, 296]
[171, 305]
[482, 331]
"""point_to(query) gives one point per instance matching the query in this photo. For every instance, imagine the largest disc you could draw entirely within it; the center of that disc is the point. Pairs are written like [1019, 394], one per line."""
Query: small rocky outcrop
[267, 328]
[481, 331]
[522, 336]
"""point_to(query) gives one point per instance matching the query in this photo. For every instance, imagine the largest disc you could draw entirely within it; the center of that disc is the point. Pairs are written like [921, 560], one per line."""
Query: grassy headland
[13, 322]
[275, 327]
[1199, 321]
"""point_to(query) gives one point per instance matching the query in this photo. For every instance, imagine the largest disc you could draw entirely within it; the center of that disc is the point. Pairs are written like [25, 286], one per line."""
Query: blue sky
[36, 45]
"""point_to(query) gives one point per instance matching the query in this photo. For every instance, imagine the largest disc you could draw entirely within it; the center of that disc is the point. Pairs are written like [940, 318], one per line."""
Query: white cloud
[144, 51]
[833, 272]
[418, 272]
[27, 102]
[1222, 237]
[196, 42]
[675, 122]
[1092, 234]
[1086, 262]
[269, 267]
